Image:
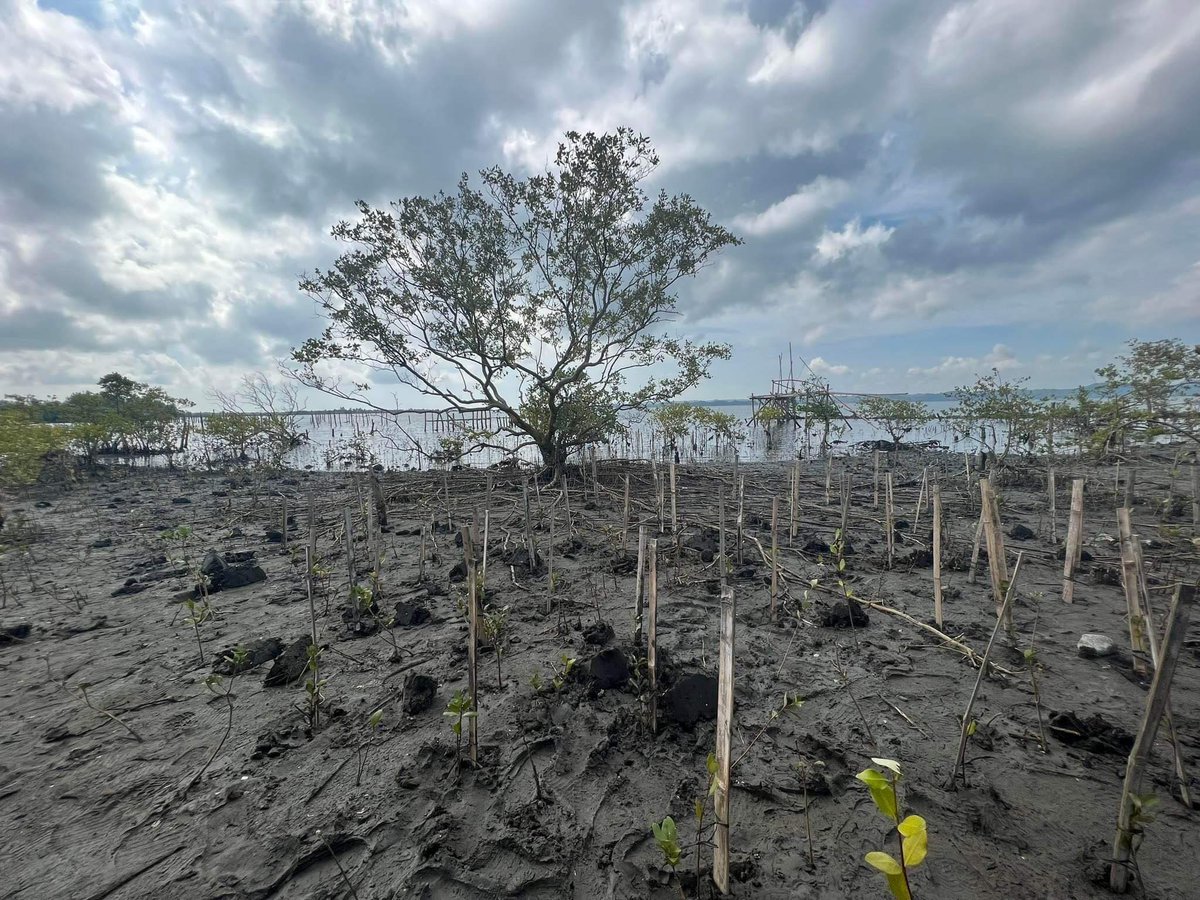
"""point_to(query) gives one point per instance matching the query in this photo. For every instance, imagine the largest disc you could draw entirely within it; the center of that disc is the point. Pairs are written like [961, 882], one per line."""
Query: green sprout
[459, 708]
[667, 837]
[198, 614]
[911, 832]
[314, 687]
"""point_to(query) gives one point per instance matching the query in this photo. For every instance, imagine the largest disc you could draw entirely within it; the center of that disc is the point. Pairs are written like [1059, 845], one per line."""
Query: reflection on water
[358, 440]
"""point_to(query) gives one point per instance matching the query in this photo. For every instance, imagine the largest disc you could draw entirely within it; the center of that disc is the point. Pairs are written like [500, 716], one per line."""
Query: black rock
[181, 501]
[257, 652]
[519, 559]
[816, 546]
[238, 576]
[745, 572]
[101, 543]
[12, 633]
[692, 699]
[706, 540]
[131, 586]
[419, 691]
[290, 665]
[212, 564]
[609, 669]
[1021, 532]
[42, 504]
[409, 614]
[598, 634]
[274, 536]
[844, 614]
[1095, 734]
[458, 572]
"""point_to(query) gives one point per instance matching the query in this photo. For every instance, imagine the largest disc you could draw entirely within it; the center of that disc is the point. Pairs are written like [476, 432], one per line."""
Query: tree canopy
[895, 415]
[542, 298]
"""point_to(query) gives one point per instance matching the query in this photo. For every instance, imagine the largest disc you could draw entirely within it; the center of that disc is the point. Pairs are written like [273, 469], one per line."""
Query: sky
[926, 190]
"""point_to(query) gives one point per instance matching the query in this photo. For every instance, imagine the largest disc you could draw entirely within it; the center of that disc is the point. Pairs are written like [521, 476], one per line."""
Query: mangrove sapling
[806, 769]
[87, 701]
[666, 835]
[911, 832]
[373, 723]
[314, 688]
[198, 614]
[237, 659]
[1031, 660]
[495, 632]
[457, 710]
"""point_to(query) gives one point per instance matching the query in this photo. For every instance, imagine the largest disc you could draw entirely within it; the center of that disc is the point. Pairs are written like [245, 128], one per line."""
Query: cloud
[916, 183]
[1001, 358]
[833, 245]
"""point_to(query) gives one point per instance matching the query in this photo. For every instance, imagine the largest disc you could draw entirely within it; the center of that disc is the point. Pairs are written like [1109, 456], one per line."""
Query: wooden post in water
[724, 739]
[1143, 744]
[937, 554]
[472, 643]
[774, 556]
[652, 631]
[1074, 541]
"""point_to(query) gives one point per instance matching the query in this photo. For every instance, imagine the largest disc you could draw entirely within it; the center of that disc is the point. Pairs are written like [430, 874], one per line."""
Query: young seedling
[223, 688]
[314, 688]
[198, 614]
[457, 710]
[373, 723]
[495, 632]
[911, 832]
[806, 768]
[666, 835]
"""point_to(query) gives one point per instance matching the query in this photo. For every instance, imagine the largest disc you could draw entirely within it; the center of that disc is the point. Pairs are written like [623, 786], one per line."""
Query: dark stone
[274, 536]
[290, 665]
[101, 544]
[519, 558]
[239, 556]
[419, 693]
[745, 572]
[598, 634]
[42, 504]
[706, 540]
[844, 614]
[131, 586]
[609, 669]
[212, 564]
[1095, 734]
[257, 652]
[692, 699]
[918, 559]
[409, 614]
[707, 556]
[901, 525]
[458, 573]
[1084, 556]
[816, 546]
[238, 576]
[11, 633]
[181, 501]
[1021, 532]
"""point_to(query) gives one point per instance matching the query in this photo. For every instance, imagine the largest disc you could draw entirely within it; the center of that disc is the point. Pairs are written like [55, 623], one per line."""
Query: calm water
[357, 440]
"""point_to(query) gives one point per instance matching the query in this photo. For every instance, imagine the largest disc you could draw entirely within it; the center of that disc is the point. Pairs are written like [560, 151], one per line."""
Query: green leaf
[883, 862]
[915, 838]
[376, 718]
[882, 791]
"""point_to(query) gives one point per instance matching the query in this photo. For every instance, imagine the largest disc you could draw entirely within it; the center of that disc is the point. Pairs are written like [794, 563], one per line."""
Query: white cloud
[833, 245]
[795, 210]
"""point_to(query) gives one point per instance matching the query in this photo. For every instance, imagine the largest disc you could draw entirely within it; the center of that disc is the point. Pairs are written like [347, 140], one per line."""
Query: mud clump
[290, 665]
[693, 699]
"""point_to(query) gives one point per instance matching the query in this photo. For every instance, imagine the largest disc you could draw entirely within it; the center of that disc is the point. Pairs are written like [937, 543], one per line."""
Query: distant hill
[943, 397]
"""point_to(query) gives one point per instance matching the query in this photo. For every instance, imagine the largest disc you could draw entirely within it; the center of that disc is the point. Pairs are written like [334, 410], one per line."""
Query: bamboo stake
[1052, 488]
[1074, 541]
[639, 587]
[652, 631]
[311, 522]
[674, 502]
[472, 644]
[997, 561]
[486, 522]
[284, 529]
[721, 529]
[828, 477]
[529, 546]
[1143, 745]
[1131, 584]
[741, 515]
[937, 554]
[844, 487]
[794, 510]
[350, 573]
[1130, 487]
[876, 502]
[724, 739]
[625, 520]
[960, 760]
[774, 556]
[1156, 658]
[975, 546]
[889, 520]
[921, 497]
[1196, 495]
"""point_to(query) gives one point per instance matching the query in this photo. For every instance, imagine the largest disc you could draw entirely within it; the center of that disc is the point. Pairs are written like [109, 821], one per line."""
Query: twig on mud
[337, 862]
[904, 715]
[83, 697]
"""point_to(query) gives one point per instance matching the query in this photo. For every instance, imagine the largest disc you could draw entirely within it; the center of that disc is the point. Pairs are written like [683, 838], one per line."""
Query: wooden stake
[889, 520]
[652, 631]
[921, 497]
[721, 538]
[724, 738]
[674, 502]
[311, 522]
[625, 520]
[639, 588]
[284, 530]
[1196, 495]
[997, 562]
[876, 503]
[1052, 488]
[1156, 706]
[1074, 541]
[1130, 489]
[774, 556]
[529, 545]
[794, 510]
[828, 477]
[351, 575]
[844, 488]
[741, 515]
[1131, 582]
[937, 554]
[472, 644]
[975, 547]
